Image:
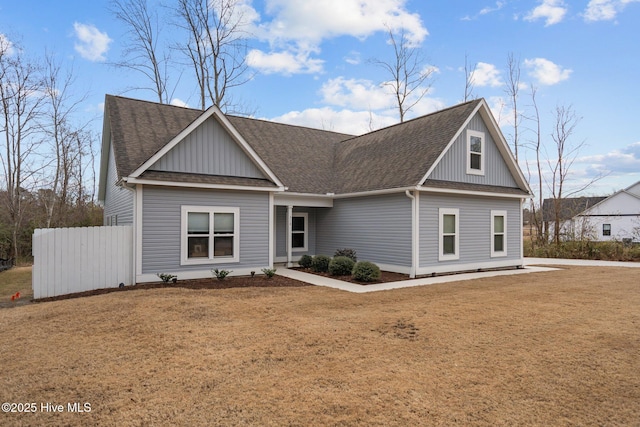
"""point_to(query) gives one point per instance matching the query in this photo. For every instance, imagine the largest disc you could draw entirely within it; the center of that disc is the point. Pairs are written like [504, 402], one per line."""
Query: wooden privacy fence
[68, 260]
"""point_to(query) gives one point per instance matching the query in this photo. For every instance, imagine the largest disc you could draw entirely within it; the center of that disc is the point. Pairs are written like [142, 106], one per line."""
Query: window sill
[205, 261]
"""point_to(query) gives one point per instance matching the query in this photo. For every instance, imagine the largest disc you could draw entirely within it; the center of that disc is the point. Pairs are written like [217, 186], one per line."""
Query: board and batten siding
[161, 227]
[281, 231]
[453, 165]
[118, 201]
[377, 227]
[209, 150]
[474, 231]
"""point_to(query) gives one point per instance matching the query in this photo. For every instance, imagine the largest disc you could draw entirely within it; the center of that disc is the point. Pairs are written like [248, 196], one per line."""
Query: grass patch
[16, 279]
[541, 349]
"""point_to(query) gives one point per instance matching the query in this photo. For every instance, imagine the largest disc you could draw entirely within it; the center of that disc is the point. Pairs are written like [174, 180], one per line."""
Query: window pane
[448, 245]
[297, 240]
[498, 224]
[448, 223]
[198, 247]
[223, 246]
[475, 161]
[198, 223]
[498, 243]
[223, 223]
[297, 223]
[476, 144]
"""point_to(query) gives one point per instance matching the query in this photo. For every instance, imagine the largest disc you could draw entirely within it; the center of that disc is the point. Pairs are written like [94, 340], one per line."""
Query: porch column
[289, 230]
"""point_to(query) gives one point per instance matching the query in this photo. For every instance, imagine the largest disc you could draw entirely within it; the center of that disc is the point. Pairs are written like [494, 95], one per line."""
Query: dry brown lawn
[555, 348]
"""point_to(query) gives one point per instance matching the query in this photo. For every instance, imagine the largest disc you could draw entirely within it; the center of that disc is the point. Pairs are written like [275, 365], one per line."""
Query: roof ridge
[413, 120]
[152, 102]
[288, 125]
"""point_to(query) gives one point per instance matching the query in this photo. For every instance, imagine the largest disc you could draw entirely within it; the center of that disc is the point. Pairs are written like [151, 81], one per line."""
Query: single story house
[615, 217]
[202, 190]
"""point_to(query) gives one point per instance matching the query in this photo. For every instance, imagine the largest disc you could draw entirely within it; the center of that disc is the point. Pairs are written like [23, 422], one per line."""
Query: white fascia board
[301, 199]
[374, 192]
[134, 181]
[212, 111]
[470, 192]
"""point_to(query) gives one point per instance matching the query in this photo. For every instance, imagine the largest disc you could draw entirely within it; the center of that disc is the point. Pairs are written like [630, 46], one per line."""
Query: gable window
[448, 240]
[498, 233]
[299, 235]
[210, 234]
[475, 152]
[606, 229]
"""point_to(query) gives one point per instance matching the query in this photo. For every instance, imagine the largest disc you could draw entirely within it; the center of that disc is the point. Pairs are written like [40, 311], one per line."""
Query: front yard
[554, 348]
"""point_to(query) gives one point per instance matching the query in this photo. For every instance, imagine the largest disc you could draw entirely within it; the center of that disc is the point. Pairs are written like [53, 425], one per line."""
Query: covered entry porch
[295, 225]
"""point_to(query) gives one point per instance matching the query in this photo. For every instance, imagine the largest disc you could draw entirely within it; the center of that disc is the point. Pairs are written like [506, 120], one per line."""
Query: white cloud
[346, 121]
[605, 10]
[6, 47]
[546, 72]
[179, 103]
[297, 29]
[553, 11]
[284, 62]
[485, 75]
[618, 161]
[92, 43]
[356, 93]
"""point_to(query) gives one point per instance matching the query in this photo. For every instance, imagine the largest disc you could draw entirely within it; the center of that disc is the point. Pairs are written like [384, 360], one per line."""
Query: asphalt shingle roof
[305, 160]
[568, 207]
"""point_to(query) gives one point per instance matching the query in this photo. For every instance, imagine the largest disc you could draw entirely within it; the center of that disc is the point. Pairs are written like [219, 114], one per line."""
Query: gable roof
[305, 160]
[568, 207]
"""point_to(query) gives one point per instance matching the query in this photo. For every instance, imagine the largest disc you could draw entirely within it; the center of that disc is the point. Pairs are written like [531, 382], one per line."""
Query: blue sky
[312, 64]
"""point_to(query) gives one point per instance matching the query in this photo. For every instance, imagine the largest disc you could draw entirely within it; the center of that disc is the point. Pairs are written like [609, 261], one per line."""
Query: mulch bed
[208, 283]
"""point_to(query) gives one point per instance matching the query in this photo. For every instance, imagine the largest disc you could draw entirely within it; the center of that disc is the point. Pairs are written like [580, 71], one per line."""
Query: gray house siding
[474, 229]
[453, 166]
[161, 231]
[118, 201]
[377, 227]
[209, 150]
[281, 231]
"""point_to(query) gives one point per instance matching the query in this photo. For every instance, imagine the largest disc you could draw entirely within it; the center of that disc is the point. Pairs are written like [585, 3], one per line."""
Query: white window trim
[304, 215]
[609, 230]
[503, 253]
[184, 247]
[480, 135]
[441, 213]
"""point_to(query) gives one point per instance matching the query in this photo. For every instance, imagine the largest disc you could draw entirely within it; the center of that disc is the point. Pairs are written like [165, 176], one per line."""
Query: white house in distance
[616, 217]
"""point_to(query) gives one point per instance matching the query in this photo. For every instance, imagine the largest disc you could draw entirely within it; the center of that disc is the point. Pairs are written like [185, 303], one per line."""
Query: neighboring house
[616, 217]
[202, 190]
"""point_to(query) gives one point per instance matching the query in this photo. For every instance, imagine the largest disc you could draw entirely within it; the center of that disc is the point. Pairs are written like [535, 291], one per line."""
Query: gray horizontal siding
[209, 150]
[161, 227]
[453, 166]
[377, 227]
[117, 200]
[474, 228]
[281, 231]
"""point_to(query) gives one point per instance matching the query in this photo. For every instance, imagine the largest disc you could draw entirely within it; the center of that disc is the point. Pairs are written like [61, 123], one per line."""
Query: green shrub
[166, 277]
[341, 266]
[220, 274]
[320, 263]
[349, 253]
[269, 272]
[365, 271]
[305, 261]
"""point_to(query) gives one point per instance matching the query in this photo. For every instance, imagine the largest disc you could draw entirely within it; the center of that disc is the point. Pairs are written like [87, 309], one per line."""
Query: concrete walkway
[532, 265]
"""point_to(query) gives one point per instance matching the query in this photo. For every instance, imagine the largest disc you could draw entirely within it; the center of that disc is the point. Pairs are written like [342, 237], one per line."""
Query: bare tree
[216, 47]
[142, 52]
[566, 153]
[536, 215]
[468, 78]
[20, 103]
[512, 90]
[409, 75]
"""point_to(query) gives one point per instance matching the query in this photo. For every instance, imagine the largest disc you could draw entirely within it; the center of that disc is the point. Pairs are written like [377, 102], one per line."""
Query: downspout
[412, 273]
